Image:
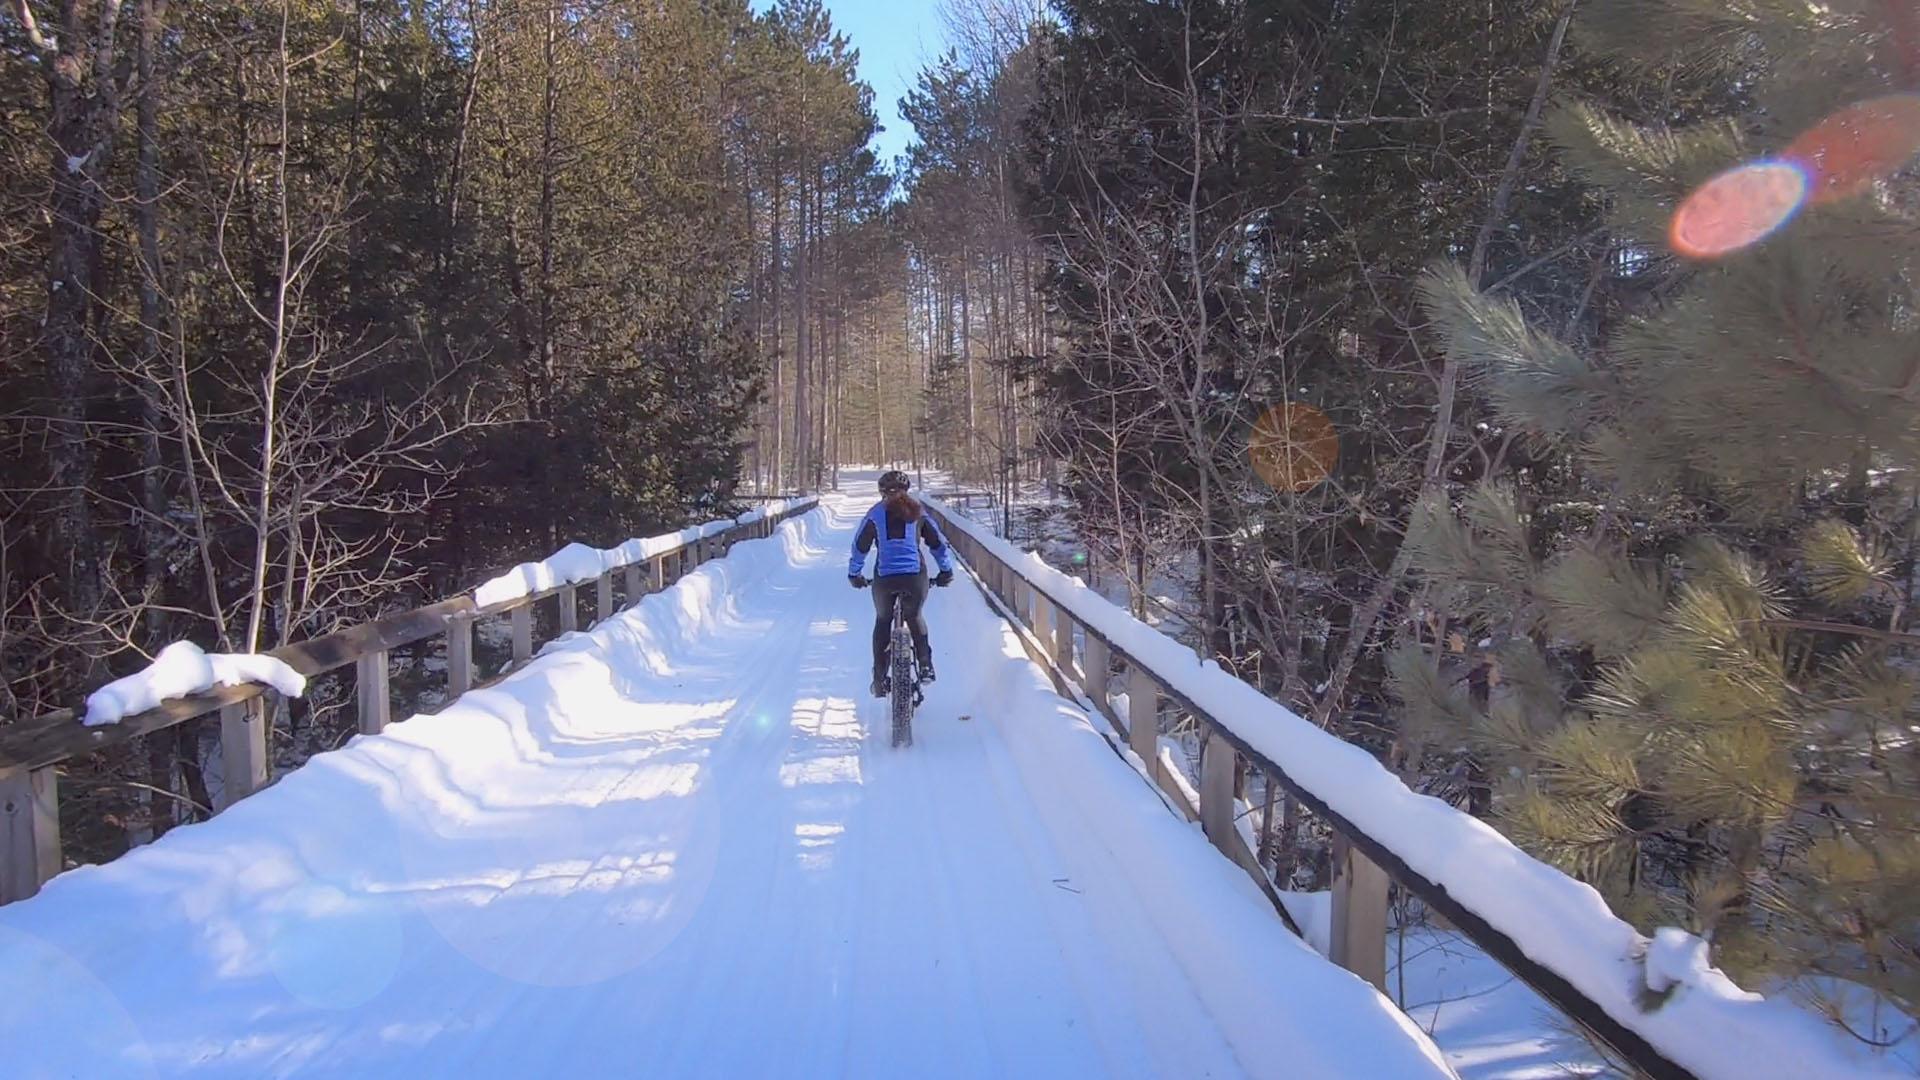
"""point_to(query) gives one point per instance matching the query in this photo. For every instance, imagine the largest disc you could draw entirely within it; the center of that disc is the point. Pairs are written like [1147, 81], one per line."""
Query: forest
[1524, 390]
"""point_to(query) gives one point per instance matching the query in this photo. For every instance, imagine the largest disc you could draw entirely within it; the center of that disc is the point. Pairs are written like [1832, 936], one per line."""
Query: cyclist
[897, 524]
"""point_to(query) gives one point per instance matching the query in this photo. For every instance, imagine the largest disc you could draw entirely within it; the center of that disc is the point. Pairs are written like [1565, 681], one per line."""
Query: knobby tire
[905, 680]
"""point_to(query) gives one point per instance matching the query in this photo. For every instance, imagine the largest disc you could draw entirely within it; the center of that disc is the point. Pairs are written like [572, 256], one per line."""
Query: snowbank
[1706, 1023]
[182, 669]
[1312, 912]
[578, 562]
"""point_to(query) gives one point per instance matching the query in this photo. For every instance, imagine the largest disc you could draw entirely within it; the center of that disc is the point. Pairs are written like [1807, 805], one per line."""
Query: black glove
[859, 581]
[945, 579]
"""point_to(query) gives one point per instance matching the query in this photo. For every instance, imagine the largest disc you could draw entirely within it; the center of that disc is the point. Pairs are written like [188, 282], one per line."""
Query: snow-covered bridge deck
[675, 846]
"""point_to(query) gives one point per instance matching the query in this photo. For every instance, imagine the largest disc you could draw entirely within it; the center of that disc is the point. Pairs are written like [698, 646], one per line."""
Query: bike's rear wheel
[905, 680]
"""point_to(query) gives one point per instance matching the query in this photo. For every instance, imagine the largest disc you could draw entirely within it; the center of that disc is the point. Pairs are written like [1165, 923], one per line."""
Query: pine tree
[1694, 683]
[524, 305]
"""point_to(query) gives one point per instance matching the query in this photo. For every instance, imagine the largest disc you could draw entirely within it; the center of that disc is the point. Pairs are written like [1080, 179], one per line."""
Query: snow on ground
[675, 845]
[1706, 1023]
[182, 669]
[1490, 1025]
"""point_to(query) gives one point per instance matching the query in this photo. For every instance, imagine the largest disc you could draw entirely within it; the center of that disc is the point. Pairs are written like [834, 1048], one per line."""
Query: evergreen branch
[1839, 565]
[1898, 637]
[1538, 382]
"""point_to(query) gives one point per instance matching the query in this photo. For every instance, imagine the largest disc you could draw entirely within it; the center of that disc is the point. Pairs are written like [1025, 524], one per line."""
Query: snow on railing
[182, 669]
[1668, 1018]
[578, 563]
[184, 683]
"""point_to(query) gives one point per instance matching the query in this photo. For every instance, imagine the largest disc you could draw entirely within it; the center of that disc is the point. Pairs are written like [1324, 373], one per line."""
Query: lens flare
[330, 949]
[1835, 159]
[1737, 208]
[46, 988]
[1293, 446]
[1846, 152]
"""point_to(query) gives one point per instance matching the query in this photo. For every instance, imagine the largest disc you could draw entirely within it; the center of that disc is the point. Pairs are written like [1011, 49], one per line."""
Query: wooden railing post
[1063, 639]
[1359, 933]
[603, 597]
[522, 618]
[1043, 614]
[29, 831]
[1216, 791]
[1143, 716]
[634, 586]
[243, 748]
[659, 565]
[569, 609]
[459, 656]
[370, 678]
[1093, 676]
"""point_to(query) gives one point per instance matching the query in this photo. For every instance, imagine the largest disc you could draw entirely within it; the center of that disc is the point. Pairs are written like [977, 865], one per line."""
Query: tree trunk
[153, 490]
[549, 437]
[83, 111]
[966, 355]
[803, 339]
[778, 456]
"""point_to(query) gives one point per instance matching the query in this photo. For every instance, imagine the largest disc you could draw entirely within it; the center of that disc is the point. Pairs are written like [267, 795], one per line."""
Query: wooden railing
[970, 500]
[1363, 867]
[31, 751]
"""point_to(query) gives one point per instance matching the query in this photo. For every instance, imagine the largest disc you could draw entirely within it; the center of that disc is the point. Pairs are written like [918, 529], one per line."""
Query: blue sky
[895, 38]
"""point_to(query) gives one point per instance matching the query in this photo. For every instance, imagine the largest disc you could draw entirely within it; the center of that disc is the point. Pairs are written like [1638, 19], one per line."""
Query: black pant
[912, 591]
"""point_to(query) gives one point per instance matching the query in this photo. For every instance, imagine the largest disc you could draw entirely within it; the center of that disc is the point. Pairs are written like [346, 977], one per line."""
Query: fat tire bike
[903, 678]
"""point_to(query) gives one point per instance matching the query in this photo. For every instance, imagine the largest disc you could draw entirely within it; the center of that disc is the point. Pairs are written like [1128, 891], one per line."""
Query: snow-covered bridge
[677, 844]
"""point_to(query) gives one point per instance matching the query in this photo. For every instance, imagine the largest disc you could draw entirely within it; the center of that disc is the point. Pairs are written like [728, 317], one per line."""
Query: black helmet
[894, 480]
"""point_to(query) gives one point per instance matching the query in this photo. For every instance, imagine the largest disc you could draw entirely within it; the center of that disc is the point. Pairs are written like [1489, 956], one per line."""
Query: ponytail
[905, 505]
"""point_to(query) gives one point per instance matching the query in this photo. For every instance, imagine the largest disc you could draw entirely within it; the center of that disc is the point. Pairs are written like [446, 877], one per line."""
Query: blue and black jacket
[899, 541]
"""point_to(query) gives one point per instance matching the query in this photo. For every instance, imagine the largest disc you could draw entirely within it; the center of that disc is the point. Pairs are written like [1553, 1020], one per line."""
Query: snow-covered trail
[679, 845]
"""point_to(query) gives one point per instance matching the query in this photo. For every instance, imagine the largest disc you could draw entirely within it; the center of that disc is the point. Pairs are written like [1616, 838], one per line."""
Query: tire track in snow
[703, 830]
